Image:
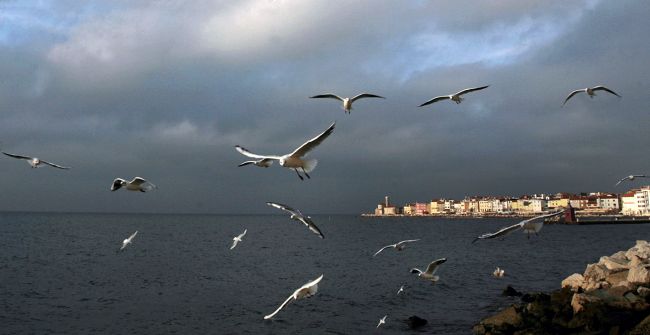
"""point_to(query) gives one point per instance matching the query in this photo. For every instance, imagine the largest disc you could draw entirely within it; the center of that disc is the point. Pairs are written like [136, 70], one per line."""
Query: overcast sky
[165, 89]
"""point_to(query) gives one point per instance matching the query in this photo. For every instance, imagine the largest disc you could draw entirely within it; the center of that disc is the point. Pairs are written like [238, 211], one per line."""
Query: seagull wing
[639, 176]
[405, 241]
[138, 181]
[245, 152]
[234, 243]
[133, 235]
[603, 88]
[328, 95]
[622, 180]
[365, 95]
[314, 142]
[436, 99]
[382, 249]
[433, 266]
[242, 234]
[501, 232]
[571, 95]
[291, 297]
[17, 156]
[283, 207]
[311, 225]
[467, 90]
[55, 165]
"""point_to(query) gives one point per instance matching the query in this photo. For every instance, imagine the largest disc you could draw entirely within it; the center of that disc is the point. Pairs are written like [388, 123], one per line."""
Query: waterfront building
[421, 208]
[437, 206]
[408, 209]
[635, 202]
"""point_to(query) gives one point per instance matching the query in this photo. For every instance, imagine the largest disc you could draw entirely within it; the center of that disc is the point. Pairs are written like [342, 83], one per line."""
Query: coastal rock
[596, 272]
[580, 301]
[620, 255]
[613, 264]
[636, 261]
[639, 275]
[505, 321]
[618, 277]
[643, 328]
[641, 250]
[574, 281]
[607, 299]
[643, 292]
[511, 292]
[415, 322]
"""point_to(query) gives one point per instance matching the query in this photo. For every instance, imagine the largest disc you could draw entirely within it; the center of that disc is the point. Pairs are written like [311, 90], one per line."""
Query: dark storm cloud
[165, 90]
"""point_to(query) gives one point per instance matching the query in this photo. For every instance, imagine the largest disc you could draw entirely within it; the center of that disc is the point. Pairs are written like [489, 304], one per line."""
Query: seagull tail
[310, 165]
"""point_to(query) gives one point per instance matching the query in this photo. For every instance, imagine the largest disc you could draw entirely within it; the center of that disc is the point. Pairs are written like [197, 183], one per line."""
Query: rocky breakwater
[610, 297]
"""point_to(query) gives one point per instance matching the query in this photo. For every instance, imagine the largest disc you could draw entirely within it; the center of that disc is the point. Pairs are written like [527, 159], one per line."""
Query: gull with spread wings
[630, 178]
[237, 239]
[532, 225]
[292, 160]
[128, 240]
[137, 184]
[298, 216]
[428, 274]
[590, 92]
[399, 246]
[35, 162]
[305, 291]
[347, 102]
[456, 97]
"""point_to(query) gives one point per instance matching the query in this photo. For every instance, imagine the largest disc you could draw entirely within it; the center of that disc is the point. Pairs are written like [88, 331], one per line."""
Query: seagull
[631, 177]
[382, 321]
[456, 97]
[298, 216]
[399, 246]
[401, 289]
[292, 160]
[128, 240]
[237, 239]
[431, 269]
[347, 102]
[137, 184]
[532, 225]
[498, 272]
[590, 92]
[305, 291]
[36, 162]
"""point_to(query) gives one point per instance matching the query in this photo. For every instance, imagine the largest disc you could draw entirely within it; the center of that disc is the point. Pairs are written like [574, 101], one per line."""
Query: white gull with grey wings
[305, 291]
[532, 225]
[293, 160]
[36, 162]
[298, 216]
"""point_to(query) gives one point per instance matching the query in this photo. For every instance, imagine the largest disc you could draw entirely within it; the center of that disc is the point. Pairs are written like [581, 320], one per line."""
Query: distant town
[634, 202]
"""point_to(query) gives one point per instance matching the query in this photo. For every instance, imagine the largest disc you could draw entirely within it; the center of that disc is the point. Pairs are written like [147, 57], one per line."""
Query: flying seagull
[399, 246]
[532, 225]
[631, 177]
[36, 162]
[292, 160]
[498, 272]
[305, 291]
[237, 239]
[431, 269]
[382, 321]
[128, 240]
[347, 102]
[401, 289]
[590, 92]
[298, 216]
[137, 184]
[456, 97]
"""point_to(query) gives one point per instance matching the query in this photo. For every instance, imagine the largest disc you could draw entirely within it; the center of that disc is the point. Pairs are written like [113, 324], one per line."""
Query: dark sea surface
[60, 273]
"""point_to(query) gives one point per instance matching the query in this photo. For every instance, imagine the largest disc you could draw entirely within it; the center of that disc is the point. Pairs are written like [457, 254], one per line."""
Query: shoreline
[580, 219]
